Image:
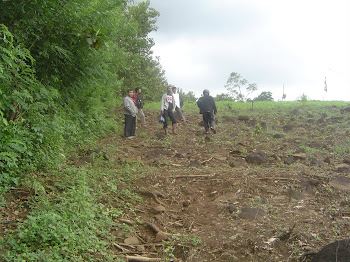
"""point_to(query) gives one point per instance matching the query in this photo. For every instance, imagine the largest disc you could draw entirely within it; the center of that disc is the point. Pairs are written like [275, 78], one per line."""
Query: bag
[161, 119]
[139, 103]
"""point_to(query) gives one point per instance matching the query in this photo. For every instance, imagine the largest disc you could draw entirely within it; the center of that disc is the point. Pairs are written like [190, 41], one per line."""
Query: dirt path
[264, 188]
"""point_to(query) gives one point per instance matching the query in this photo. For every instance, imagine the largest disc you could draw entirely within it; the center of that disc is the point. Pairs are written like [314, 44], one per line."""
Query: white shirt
[177, 99]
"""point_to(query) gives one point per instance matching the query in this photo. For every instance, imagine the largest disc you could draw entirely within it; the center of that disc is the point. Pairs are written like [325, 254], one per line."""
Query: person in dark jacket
[208, 109]
[139, 104]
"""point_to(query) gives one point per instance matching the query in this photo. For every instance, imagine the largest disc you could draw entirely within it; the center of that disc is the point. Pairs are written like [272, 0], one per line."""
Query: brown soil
[265, 187]
[213, 205]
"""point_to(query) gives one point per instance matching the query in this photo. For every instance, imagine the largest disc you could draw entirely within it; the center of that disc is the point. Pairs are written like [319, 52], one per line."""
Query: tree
[264, 96]
[239, 87]
[187, 97]
[223, 97]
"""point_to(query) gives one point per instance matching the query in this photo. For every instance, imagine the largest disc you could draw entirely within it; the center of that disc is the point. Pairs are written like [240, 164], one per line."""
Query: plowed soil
[268, 186]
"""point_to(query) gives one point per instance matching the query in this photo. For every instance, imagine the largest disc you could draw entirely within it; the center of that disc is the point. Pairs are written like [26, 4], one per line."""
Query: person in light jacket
[167, 108]
[130, 112]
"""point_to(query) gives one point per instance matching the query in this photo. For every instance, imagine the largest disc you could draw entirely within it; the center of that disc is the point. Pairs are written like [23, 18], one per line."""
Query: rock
[293, 194]
[238, 163]
[315, 162]
[132, 241]
[186, 203]
[341, 183]
[243, 118]
[289, 160]
[141, 248]
[288, 128]
[252, 123]
[300, 156]
[158, 210]
[252, 213]
[328, 160]
[316, 145]
[84, 161]
[343, 168]
[232, 208]
[257, 158]
[160, 236]
[336, 251]
[346, 160]
[194, 163]
[156, 153]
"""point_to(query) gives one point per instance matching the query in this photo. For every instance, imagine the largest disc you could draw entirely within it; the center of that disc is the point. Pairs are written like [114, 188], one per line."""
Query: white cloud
[271, 43]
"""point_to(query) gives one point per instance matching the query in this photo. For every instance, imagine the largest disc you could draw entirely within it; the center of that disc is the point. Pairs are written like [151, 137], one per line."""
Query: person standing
[130, 111]
[178, 103]
[167, 108]
[139, 105]
[208, 109]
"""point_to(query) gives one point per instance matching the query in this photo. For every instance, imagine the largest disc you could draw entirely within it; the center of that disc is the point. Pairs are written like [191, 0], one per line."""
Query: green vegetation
[64, 66]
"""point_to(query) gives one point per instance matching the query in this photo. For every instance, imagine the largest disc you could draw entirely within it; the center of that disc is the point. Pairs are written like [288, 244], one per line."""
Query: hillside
[271, 185]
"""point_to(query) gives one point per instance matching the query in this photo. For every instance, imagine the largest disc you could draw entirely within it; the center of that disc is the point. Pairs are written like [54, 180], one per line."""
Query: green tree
[239, 88]
[187, 97]
[264, 96]
[223, 97]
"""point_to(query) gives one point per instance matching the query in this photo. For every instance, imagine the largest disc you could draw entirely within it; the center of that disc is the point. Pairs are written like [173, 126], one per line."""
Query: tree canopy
[63, 65]
[239, 88]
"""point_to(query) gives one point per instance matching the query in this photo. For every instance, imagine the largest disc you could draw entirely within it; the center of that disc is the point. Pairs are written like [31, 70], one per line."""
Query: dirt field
[269, 186]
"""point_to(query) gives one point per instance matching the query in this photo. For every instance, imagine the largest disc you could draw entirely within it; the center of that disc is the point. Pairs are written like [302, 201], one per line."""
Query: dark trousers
[208, 119]
[130, 125]
[171, 115]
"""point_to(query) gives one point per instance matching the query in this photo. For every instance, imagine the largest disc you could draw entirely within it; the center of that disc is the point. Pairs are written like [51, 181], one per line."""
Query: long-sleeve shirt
[168, 102]
[129, 106]
[206, 104]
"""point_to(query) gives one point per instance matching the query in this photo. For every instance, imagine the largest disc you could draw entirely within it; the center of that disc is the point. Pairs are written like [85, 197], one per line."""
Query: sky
[290, 45]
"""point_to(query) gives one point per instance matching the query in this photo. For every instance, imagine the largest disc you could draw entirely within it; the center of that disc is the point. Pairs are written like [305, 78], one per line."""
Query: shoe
[206, 132]
[175, 133]
[130, 137]
[213, 130]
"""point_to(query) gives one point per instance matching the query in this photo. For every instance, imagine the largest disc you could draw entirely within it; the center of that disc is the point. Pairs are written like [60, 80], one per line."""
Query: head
[174, 89]
[130, 92]
[170, 89]
[138, 90]
[206, 92]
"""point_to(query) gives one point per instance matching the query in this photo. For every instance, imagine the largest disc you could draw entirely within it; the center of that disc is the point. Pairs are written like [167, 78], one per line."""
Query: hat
[206, 91]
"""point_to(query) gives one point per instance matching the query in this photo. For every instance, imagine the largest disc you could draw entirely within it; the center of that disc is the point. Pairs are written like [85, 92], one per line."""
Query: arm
[214, 107]
[162, 104]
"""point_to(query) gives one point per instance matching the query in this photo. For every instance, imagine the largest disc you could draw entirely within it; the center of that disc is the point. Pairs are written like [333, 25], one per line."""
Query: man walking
[130, 111]
[208, 109]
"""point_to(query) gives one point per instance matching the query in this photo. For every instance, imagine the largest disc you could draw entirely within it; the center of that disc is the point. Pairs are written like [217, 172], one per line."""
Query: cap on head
[206, 91]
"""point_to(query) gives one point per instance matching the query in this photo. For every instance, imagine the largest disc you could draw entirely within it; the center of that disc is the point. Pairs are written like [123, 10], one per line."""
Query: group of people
[171, 102]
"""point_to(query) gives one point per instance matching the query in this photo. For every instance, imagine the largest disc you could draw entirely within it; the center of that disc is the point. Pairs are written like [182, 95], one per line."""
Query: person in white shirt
[167, 108]
[178, 103]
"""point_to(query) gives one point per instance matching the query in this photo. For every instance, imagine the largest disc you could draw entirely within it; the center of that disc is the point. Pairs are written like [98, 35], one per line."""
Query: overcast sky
[273, 43]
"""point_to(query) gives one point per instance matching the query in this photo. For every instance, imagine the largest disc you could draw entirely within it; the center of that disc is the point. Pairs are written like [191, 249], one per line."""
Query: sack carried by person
[139, 103]
[161, 119]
